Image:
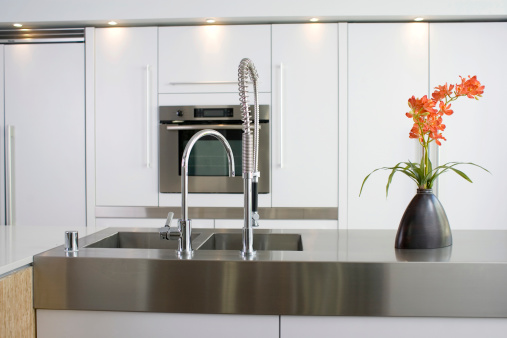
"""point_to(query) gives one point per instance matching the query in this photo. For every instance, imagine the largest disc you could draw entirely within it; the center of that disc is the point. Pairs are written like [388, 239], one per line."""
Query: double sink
[214, 241]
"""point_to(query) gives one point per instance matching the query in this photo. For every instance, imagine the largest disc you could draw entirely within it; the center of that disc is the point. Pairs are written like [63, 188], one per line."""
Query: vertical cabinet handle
[148, 129]
[9, 139]
[281, 115]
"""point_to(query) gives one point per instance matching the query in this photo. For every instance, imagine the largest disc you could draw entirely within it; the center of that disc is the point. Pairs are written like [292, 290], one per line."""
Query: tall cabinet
[45, 143]
[379, 86]
[475, 131]
[305, 115]
[126, 116]
[2, 114]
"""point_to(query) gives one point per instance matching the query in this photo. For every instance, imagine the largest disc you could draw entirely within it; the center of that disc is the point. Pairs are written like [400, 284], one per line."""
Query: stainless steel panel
[217, 213]
[341, 273]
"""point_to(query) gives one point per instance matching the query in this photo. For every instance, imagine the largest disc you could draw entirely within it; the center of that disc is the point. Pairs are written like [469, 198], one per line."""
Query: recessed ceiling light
[418, 19]
[112, 23]
[210, 20]
[314, 19]
[18, 25]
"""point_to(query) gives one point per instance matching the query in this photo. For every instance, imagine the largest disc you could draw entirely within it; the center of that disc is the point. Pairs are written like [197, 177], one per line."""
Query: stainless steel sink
[273, 242]
[136, 240]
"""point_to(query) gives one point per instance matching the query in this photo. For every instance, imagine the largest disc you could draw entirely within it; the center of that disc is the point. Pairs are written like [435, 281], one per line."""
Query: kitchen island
[325, 272]
[338, 283]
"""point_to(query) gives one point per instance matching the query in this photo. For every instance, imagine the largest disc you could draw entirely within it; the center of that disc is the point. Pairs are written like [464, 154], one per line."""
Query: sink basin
[273, 242]
[136, 240]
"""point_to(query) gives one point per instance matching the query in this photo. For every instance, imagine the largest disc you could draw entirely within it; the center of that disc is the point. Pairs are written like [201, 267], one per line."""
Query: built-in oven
[208, 166]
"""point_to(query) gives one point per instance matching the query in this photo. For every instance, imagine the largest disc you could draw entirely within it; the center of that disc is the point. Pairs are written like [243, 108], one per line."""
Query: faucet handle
[167, 232]
[255, 219]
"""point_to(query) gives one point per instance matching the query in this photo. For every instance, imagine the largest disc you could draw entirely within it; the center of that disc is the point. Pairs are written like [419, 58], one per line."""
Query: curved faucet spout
[184, 225]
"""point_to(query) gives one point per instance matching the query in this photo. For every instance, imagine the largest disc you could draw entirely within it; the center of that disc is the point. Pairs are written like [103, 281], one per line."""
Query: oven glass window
[208, 156]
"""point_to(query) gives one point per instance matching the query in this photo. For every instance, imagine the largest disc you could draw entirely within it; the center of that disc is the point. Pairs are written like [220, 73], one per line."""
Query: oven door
[208, 168]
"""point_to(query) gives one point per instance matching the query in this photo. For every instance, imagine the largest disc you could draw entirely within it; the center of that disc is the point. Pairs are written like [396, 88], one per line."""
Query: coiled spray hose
[250, 142]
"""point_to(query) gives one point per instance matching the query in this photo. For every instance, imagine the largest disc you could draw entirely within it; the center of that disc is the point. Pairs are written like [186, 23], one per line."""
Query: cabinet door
[390, 327]
[2, 126]
[126, 116]
[204, 59]
[305, 115]
[388, 63]
[475, 132]
[44, 107]
[100, 324]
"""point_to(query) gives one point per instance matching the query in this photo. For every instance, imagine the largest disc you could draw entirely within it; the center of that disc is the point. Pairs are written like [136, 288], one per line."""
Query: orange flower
[441, 92]
[471, 87]
[445, 108]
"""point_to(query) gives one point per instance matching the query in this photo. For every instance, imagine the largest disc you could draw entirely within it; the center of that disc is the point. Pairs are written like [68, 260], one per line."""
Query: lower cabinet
[17, 316]
[99, 324]
[390, 327]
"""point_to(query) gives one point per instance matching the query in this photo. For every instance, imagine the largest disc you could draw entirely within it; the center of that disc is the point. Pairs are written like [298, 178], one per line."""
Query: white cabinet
[204, 59]
[390, 327]
[387, 64]
[126, 116]
[305, 115]
[2, 181]
[100, 324]
[475, 132]
[44, 114]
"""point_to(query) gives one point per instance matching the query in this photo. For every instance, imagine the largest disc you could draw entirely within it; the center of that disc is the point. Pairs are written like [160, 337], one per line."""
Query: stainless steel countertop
[355, 272]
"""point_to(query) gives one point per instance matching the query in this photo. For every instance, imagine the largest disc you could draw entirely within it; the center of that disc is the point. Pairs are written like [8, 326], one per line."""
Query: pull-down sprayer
[250, 153]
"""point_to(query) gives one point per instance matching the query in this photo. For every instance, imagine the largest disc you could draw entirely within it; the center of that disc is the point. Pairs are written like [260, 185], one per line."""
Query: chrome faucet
[250, 154]
[183, 233]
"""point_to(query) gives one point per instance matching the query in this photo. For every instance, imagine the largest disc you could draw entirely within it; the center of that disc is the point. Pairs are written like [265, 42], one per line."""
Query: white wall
[177, 11]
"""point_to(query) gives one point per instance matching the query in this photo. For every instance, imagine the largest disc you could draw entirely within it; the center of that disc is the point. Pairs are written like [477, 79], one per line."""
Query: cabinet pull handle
[281, 115]
[148, 129]
[8, 175]
[207, 126]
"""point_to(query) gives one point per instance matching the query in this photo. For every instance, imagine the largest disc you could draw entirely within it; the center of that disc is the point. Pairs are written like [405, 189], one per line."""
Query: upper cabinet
[205, 59]
[126, 116]
[305, 115]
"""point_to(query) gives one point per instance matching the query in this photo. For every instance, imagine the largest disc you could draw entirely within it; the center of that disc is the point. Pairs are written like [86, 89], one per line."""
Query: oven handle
[207, 126]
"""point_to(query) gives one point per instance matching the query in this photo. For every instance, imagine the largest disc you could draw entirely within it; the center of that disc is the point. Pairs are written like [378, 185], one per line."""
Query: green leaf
[450, 166]
[397, 168]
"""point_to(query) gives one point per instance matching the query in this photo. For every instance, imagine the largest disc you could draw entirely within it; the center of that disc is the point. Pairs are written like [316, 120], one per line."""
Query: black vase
[424, 224]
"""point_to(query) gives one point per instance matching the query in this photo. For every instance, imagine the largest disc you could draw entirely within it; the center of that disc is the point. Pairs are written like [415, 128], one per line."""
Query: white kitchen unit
[475, 131]
[390, 327]
[99, 324]
[387, 64]
[126, 116]
[45, 134]
[2, 126]
[305, 115]
[204, 59]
